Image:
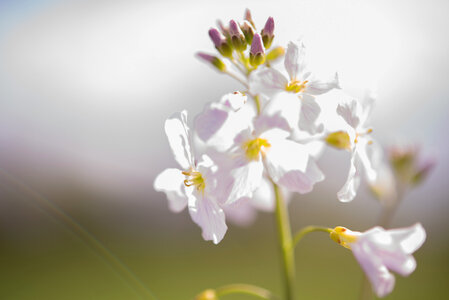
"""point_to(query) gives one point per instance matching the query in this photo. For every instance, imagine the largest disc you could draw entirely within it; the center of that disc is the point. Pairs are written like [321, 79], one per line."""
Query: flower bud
[407, 167]
[207, 295]
[237, 37]
[275, 53]
[249, 18]
[213, 60]
[268, 33]
[339, 140]
[248, 31]
[220, 42]
[344, 236]
[257, 51]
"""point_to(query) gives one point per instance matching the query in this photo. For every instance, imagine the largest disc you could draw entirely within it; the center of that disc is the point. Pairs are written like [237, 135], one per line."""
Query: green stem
[245, 289]
[286, 245]
[306, 230]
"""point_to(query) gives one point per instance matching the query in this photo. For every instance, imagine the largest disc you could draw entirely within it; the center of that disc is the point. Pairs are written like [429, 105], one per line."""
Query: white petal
[289, 164]
[410, 239]
[295, 59]
[234, 101]
[381, 280]
[275, 123]
[318, 87]
[349, 190]
[361, 149]
[209, 122]
[350, 112]
[286, 106]
[309, 113]
[179, 139]
[300, 182]
[263, 198]
[171, 182]
[242, 180]
[268, 81]
[241, 213]
[206, 213]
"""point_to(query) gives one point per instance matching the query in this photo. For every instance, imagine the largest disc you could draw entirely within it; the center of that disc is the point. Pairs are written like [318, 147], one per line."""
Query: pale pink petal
[318, 87]
[209, 122]
[171, 182]
[295, 59]
[309, 113]
[287, 106]
[350, 112]
[410, 239]
[241, 213]
[268, 81]
[276, 122]
[302, 182]
[241, 180]
[361, 148]
[179, 139]
[206, 213]
[381, 279]
[263, 197]
[349, 190]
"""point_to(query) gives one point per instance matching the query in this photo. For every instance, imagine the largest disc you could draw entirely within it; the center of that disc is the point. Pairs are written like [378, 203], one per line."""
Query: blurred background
[85, 88]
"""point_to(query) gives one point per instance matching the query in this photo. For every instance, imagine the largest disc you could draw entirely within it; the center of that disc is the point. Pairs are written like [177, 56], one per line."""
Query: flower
[194, 185]
[300, 82]
[261, 145]
[380, 251]
[356, 115]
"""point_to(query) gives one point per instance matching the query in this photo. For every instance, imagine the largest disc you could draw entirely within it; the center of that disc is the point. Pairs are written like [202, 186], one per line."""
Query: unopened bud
[268, 33]
[257, 51]
[207, 295]
[248, 31]
[237, 37]
[275, 53]
[249, 18]
[220, 42]
[213, 60]
[339, 140]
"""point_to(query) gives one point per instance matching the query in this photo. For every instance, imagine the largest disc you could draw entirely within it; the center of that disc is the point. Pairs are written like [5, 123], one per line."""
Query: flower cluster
[269, 136]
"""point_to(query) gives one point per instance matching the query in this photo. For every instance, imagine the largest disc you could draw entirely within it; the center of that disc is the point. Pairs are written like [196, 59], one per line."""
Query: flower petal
[410, 238]
[179, 139]
[267, 81]
[241, 213]
[209, 122]
[318, 87]
[171, 182]
[206, 213]
[361, 148]
[286, 106]
[309, 113]
[300, 182]
[350, 112]
[349, 190]
[295, 59]
[381, 279]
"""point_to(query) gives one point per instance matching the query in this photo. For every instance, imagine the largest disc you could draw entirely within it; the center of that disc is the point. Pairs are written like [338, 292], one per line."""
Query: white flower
[300, 82]
[356, 115]
[264, 146]
[194, 185]
[380, 251]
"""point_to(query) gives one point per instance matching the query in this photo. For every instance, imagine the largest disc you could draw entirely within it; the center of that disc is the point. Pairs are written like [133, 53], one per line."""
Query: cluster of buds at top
[243, 45]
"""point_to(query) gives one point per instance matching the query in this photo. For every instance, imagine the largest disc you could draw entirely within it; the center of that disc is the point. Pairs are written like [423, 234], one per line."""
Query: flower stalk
[286, 244]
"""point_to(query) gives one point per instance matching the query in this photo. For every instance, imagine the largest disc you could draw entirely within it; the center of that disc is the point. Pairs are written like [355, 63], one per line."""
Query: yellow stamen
[254, 147]
[296, 86]
[194, 178]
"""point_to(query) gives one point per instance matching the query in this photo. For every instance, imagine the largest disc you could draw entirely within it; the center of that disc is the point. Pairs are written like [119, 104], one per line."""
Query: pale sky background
[85, 86]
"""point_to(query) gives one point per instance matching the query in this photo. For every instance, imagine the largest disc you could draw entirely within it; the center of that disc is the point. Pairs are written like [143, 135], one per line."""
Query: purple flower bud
[269, 27]
[257, 45]
[268, 33]
[248, 17]
[216, 37]
[234, 29]
[213, 60]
